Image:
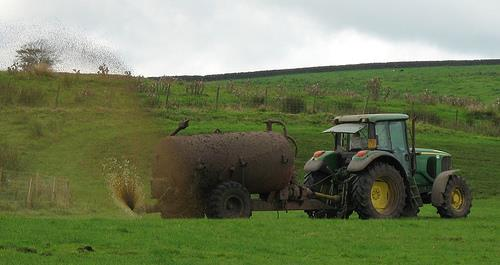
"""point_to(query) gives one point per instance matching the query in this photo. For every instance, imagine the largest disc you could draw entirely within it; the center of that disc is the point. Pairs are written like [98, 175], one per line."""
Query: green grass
[264, 239]
[480, 82]
[73, 139]
[96, 118]
[445, 96]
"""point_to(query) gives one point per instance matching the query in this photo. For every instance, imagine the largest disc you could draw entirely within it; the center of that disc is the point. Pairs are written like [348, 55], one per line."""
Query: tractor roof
[370, 117]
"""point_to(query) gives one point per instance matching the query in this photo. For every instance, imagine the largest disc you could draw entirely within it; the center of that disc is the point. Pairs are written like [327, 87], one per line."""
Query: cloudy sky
[203, 37]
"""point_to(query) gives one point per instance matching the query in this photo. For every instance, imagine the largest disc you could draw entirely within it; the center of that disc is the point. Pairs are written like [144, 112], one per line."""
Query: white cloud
[350, 47]
[203, 37]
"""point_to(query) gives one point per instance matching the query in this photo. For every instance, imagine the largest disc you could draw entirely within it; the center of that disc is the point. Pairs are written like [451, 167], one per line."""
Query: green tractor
[376, 173]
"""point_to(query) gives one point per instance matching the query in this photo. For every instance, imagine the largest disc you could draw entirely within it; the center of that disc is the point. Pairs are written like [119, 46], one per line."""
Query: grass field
[264, 239]
[67, 126]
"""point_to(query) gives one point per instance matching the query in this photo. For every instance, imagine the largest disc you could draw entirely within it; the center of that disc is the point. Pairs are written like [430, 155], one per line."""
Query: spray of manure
[125, 185]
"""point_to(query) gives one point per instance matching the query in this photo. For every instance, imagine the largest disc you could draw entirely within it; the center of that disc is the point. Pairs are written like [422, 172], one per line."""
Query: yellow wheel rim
[380, 195]
[457, 199]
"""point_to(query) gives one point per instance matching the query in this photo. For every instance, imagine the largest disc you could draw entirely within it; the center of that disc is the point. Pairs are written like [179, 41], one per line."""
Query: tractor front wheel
[229, 199]
[457, 199]
[379, 192]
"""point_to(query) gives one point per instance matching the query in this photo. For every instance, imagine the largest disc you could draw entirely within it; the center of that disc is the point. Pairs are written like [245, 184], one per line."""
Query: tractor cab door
[391, 136]
[399, 141]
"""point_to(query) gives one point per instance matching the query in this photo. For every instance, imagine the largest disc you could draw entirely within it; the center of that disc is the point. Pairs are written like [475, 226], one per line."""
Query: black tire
[451, 208]
[229, 200]
[367, 192]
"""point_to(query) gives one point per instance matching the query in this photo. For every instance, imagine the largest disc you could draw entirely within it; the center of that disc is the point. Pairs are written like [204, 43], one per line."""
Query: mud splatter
[124, 184]
[75, 49]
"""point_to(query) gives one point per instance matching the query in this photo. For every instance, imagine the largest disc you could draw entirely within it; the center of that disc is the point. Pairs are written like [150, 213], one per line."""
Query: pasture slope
[67, 126]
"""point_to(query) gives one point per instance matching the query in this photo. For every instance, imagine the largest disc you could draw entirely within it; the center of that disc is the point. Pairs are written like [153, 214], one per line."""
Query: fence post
[366, 103]
[2, 181]
[29, 202]
[265, 98]
[53, 197]
[57, 95]
[314, 102]
[167, 91]
[68, 194]
[217, 98]
[37, 186]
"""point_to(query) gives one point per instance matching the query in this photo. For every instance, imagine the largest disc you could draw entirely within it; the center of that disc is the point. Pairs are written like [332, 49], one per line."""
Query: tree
[36, 53]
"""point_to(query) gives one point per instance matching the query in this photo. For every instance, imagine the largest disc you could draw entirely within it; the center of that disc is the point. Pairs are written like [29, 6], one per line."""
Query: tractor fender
[358, 164]
[439, 186]
[315, 165]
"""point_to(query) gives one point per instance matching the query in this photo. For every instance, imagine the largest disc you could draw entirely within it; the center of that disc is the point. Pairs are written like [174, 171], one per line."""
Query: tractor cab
[357, 137]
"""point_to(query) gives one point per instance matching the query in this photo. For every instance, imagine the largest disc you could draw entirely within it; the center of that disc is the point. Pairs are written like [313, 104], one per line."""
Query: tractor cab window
[352, 141]
[359, 140]
[383, 137]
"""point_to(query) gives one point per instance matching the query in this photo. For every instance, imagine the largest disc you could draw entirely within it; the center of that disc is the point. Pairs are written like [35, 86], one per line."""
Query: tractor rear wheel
[457, 199]
[229, 199]
[379, 192]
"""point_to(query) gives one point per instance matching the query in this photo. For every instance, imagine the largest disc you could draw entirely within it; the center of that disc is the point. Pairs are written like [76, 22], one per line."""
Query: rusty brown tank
[185, 167]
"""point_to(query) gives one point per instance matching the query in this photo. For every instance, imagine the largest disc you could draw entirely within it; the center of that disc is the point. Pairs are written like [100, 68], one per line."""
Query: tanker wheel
[229, 200]
[457, 199]
[379, 192]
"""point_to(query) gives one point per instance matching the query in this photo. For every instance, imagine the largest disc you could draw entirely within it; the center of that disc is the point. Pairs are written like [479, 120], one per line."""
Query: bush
[42, 69]
[293, 104]
[479, 114]
[427, 97]
[426, 116]
[488, 118]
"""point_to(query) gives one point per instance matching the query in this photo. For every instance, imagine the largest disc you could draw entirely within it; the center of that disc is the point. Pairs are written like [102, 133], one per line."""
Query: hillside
[68, 125]
[56, 132]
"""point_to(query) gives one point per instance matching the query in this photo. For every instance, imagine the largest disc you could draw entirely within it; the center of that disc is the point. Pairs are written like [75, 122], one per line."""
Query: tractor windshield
[350, 137]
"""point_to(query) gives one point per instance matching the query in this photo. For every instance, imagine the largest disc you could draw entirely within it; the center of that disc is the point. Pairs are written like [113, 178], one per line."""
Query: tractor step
[415, 194]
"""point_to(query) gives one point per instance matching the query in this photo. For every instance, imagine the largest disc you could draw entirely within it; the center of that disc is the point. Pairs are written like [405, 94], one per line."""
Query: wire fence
[175, 95]
[33, 191]
[464, 114]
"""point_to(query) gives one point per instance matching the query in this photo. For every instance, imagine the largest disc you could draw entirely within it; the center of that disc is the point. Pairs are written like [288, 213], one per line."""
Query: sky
[154, 38]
